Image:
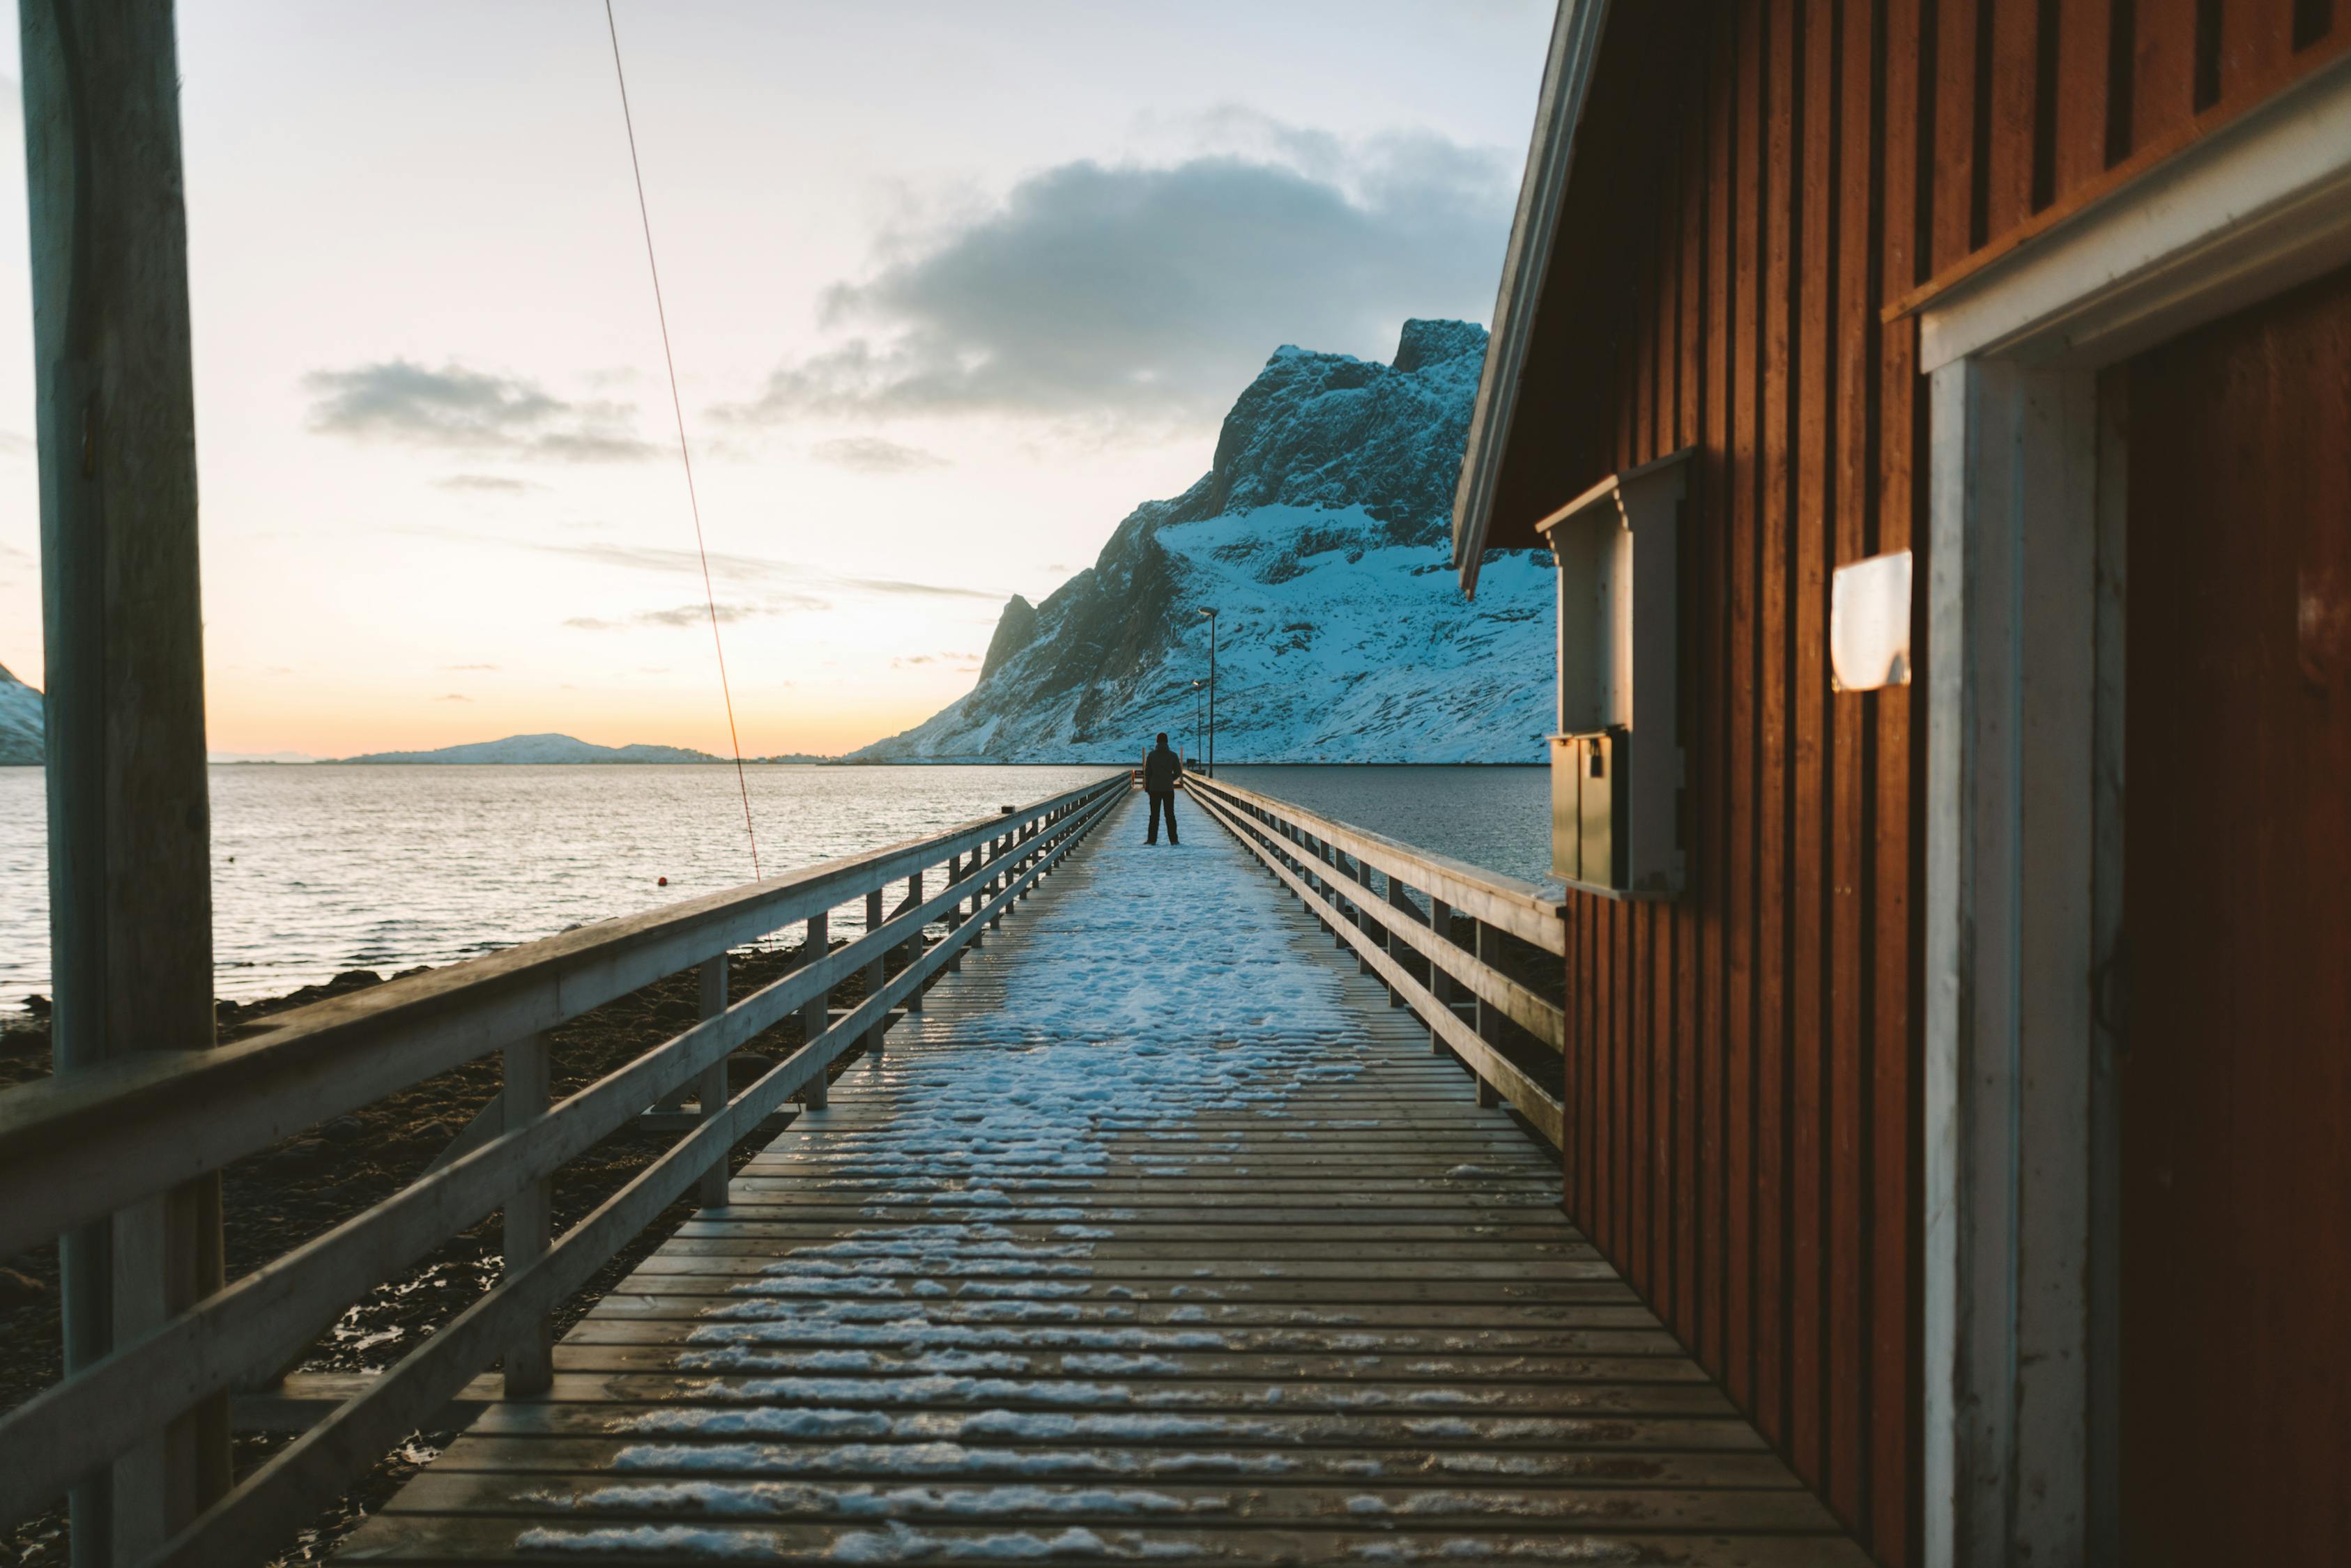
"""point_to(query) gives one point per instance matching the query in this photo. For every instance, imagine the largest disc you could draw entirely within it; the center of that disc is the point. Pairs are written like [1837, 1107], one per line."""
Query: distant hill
[21, 724]
[539, 749]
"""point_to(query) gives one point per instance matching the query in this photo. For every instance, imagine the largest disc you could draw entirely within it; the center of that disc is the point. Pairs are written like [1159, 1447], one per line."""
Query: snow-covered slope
[22, 725]
[1319, 535]
[539, 749]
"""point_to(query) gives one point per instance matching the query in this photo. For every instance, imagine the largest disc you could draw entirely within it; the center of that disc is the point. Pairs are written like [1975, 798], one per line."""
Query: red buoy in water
[661, 882]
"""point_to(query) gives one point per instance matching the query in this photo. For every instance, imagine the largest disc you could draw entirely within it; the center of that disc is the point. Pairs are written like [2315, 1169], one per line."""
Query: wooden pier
[1157, 1233]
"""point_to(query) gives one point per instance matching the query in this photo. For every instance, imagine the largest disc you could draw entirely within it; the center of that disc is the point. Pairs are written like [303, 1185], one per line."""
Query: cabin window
[1616, 757]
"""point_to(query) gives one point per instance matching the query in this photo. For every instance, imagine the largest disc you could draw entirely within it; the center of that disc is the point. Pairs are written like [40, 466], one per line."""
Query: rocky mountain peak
[1320, 534]
[1431, 342]
[1014, 629]
[1330, 430]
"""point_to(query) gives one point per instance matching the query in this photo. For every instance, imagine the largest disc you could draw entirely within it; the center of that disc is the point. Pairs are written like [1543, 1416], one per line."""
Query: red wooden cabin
[1963, 1068]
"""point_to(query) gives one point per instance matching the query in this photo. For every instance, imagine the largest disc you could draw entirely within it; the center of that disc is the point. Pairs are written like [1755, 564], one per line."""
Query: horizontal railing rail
[1468, 1001]
[75, 1147]
[334, 1056]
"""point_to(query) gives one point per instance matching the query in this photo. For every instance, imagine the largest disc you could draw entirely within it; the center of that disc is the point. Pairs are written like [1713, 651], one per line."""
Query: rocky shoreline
[277, 1199]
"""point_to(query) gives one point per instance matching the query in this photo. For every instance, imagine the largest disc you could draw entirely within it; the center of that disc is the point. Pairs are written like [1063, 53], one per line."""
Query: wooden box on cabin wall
[1617, 763]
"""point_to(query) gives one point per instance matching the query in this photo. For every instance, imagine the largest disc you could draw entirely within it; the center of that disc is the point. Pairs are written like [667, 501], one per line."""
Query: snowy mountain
[21, 724]
[539, 749]
[1320, 535]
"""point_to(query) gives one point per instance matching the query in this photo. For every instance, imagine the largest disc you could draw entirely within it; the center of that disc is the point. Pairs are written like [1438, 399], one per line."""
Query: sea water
[1496, 817]
[320, 869]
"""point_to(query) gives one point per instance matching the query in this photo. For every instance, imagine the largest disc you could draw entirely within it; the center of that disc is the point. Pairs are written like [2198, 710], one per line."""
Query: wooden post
[1440, 983]
[913, 948]
[962, 909]
[128, 830]
[712, 1191]
[979, 893]
[996, 884]
[817, 1016]
[1400, 902]
[1489, 1018]
[529, 1217]
[1362, 916]
[877, 1037]
[1333, 859]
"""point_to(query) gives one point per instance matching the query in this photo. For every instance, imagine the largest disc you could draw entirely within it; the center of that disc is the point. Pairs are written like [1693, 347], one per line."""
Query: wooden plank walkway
[1157, 1235]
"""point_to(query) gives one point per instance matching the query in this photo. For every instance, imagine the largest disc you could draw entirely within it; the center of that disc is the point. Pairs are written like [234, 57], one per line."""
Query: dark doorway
[2235, 1080]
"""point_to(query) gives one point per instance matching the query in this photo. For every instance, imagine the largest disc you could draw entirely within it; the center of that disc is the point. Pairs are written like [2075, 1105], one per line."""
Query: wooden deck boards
[1254, 1280]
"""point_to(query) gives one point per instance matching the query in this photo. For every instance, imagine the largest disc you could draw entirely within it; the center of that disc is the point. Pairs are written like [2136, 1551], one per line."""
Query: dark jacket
[1161, 770]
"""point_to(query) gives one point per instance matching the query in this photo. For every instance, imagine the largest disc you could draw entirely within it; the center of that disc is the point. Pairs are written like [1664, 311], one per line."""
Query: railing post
[980, 885]
[1362, 918]
[712, 1191]
[1400, 902]
[996, 883]
[529, 1217]
[817, 1016]
[876, 1037]
[912, 948]
[1441, 979]
[962, 909]
[1489, 1018]
[1323, 885]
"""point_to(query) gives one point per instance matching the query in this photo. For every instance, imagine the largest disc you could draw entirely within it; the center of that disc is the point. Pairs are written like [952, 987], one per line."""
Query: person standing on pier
[1161, 770]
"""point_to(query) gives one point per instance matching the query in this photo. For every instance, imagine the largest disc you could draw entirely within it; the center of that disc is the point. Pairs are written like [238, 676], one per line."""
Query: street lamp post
[1197, 687]
[1210, 612]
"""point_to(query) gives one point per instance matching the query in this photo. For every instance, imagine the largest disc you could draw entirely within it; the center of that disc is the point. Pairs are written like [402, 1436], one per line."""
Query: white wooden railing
[76, 1148]
[1404, 934]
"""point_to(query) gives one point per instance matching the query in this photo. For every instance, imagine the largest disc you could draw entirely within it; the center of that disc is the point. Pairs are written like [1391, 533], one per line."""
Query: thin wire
[685, 455]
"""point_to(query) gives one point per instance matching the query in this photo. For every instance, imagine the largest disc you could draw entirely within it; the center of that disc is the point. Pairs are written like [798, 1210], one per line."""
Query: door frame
[2025, 952]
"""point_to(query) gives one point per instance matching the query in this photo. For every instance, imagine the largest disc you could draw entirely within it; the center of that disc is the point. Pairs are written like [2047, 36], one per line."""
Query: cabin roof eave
[1576, 34]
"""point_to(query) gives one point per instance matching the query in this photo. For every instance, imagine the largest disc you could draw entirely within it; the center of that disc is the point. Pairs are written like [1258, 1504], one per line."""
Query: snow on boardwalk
[1158, 1235]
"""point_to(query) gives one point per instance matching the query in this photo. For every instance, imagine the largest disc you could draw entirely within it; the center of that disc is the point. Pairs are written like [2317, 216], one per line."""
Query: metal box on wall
[1586, 803]
[1616, 759]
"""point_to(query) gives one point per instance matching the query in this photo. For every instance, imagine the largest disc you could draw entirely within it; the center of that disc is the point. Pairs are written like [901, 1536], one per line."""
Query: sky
[950, 288]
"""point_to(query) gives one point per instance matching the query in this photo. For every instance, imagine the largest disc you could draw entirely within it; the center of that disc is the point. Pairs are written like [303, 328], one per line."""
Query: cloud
[806, 581]
[486, 485]
[1131, 294]
[682, 615]
[458, 409]
[873, 454]
[469, 666]
[660, 557]
[964, 662]
[15, 446]
[919, 590]
[452, 698]
[701, 614]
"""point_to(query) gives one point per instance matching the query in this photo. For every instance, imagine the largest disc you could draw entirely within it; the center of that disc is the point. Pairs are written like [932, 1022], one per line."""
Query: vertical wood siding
[1760, 181]
[1743, 1110]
